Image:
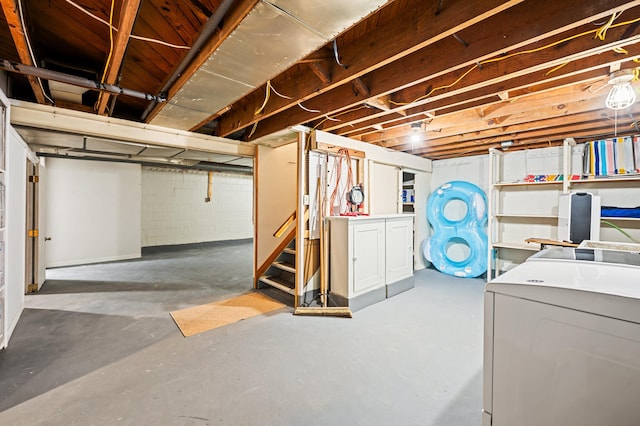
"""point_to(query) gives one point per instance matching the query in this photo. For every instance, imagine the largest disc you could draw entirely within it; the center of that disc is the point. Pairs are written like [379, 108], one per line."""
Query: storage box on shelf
[523, 200]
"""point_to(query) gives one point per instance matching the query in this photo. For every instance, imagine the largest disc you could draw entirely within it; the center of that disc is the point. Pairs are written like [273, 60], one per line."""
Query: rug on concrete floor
[198, 319]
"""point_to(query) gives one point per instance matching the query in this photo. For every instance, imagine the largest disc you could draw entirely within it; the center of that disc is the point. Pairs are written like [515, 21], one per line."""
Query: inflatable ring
[470, 230]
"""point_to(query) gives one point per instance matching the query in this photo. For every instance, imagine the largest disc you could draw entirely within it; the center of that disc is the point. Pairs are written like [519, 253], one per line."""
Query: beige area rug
[198, 319]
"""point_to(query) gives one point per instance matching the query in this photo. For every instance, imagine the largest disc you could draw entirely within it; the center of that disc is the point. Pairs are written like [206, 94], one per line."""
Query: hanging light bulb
[416, 128]
[621, 95]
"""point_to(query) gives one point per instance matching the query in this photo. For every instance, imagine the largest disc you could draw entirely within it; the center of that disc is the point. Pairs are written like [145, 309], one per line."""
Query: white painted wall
[92, 211]
[384, 188]
[42, 226]
[276, 171]
[174, 210]
[473, 169]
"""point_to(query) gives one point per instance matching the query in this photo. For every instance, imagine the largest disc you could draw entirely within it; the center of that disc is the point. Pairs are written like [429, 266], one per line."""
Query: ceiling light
[416, 128]
[621, 95]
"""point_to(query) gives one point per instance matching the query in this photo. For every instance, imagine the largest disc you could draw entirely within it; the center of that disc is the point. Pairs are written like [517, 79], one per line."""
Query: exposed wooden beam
[380, 48]
[487, 97]
[229, 24]
[360, 87]
[321, 70]
[18, 33]
[128, 14]
[581, 69]
[443, 62]
[468, 118]
[536, 62]
[588, 124]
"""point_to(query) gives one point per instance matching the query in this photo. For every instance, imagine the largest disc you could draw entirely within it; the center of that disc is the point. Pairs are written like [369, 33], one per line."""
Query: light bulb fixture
[416, 126]
[621, 95]
[415, 131]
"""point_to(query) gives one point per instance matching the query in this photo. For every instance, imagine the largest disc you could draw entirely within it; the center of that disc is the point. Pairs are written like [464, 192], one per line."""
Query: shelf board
[516, 246]
[508, 184]
[526, 216]
[620, 219]
[607, 179]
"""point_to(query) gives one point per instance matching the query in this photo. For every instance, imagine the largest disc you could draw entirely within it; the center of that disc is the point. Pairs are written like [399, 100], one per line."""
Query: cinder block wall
[174, 210]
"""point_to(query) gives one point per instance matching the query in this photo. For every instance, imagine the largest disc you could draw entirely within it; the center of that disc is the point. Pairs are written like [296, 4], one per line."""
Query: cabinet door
[368, 256]
[399, 249]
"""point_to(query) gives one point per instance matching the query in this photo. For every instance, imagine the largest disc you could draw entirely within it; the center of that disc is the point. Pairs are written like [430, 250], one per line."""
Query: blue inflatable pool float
[469, 230]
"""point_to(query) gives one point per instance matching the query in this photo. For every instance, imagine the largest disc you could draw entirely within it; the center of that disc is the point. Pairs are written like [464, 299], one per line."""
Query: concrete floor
[97, 347]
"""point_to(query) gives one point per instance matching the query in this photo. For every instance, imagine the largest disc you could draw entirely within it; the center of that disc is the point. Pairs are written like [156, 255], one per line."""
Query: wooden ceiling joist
[427, 70]
[575, 72]
[468, 118]
[380, 48]
[487, 97]
[236, 14]
[12, 14]
[128, 13]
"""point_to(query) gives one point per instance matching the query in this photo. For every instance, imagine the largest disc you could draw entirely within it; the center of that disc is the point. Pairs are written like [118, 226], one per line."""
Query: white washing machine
[562, 341]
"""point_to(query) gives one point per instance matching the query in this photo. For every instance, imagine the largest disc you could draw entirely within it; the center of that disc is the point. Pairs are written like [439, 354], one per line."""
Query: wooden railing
[281, 230]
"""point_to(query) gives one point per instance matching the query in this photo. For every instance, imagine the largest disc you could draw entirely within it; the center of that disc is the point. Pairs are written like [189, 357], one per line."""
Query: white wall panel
[92, 211]
[174, 210]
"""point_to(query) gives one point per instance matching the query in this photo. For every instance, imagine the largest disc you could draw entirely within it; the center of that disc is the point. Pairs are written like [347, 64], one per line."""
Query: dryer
[562, 340]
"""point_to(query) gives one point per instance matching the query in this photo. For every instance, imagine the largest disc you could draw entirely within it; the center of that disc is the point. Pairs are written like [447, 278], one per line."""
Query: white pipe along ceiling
[272, 38]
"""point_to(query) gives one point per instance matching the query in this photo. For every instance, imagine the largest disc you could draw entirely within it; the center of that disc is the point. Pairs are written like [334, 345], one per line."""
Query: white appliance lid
[610, 289]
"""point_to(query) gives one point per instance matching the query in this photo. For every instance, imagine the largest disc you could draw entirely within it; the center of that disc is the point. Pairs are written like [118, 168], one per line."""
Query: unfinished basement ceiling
[60, 144]
[437, 79]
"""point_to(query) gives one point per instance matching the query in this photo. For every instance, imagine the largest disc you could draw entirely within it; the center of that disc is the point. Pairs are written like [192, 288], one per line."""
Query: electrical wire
[108, 61]
[31, 54]
[625, 233]
[151, 40]
[307, 109]
[554, 69]
[600, 33]
[269, 89]
[335, 53]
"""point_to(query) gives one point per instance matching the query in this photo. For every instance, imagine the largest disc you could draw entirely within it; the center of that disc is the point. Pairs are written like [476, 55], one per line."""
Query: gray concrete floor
[97, 347]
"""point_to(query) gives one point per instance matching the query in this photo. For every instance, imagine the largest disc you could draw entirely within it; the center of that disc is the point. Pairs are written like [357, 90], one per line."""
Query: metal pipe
[207, 31]
[205, 167]
[74, 80]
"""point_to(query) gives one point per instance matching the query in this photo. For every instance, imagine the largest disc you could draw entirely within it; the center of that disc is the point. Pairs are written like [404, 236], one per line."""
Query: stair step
[279, 284]
[290, 250]
[285, 267]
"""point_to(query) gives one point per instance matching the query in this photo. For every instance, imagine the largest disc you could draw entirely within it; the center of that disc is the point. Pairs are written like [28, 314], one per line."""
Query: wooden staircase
[281, 273]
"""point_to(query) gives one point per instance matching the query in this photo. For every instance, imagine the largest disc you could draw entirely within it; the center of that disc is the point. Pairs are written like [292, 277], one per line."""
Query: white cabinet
[399, 249]
[365, 249]
[371, 258]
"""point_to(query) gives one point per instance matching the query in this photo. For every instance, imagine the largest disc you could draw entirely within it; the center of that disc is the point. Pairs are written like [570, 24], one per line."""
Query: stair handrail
[288, 221]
